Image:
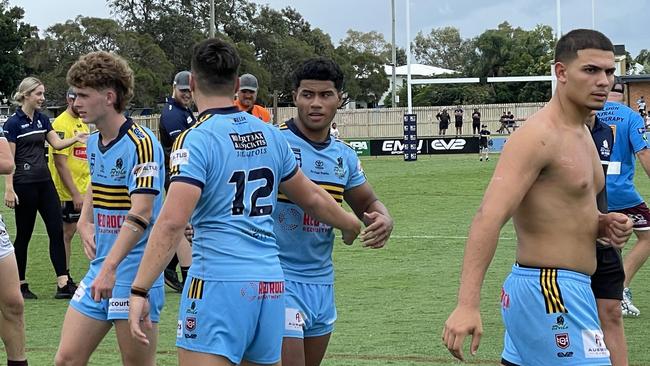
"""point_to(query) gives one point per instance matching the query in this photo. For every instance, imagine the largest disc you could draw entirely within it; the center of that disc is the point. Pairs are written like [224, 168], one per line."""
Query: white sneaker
[628, 309]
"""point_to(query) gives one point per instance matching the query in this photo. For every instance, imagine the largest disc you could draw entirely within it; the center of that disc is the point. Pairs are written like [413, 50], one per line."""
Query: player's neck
[571, 114]
[71, 112]
[109, 126]
[204, 102]
[28, 110]
[314, 136]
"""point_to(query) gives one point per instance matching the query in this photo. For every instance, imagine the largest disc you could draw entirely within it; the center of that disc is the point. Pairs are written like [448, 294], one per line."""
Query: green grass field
[392, 302]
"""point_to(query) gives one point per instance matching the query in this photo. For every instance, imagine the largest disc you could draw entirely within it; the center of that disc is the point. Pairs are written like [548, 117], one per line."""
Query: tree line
[157, 36]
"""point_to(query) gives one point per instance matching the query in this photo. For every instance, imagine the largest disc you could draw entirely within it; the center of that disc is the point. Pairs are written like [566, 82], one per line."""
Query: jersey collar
[212, 111]
[123, 130]
[291, 124]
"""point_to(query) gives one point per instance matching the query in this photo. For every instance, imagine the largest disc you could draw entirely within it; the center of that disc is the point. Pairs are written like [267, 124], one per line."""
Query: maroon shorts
[640, 216]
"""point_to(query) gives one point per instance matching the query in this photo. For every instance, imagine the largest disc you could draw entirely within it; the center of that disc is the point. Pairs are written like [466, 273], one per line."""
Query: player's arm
[61, 165]
[373, 213]
[522, 159]
[86, 225]
[7, 165]
[133, 227]
[316, 202]
[59, 143]
[11, 199]
[170, 225]
[644, 158]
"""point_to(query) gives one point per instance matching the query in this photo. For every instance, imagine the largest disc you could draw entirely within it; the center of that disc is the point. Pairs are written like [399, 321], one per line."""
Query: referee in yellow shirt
[69, 169]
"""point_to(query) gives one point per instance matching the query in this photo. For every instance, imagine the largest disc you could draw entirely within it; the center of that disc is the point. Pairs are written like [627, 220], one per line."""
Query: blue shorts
[236, 320]
[550, 318]
[310, 310]
[117, 307]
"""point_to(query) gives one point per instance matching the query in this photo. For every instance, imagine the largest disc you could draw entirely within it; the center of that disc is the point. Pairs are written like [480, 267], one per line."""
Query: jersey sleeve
[144, 175]
[46, 123]
[11, 129]
[64, 131]
[356, 177]
[189, 159]
[636, 133]
[289, 164]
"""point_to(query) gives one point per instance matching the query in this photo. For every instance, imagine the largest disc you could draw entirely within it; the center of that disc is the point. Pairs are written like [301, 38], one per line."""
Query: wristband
[140, 292]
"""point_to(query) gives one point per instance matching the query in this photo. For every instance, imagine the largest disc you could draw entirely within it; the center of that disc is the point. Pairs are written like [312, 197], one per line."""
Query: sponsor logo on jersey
[138, 132]
[149, 169]
[289, 219]
[118, 171]
[79, 152]
[180, 157]
[92, 163]
[311, 225]
[298, 154]
[339, 169]
[248, 141]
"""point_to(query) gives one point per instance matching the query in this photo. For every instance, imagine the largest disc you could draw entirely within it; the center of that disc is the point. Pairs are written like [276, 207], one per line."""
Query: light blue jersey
[238, 161]
[130, 164]
[306, 244]
[629, 138]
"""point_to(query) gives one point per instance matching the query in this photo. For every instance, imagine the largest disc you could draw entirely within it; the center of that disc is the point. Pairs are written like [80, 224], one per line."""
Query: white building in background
[418, 71]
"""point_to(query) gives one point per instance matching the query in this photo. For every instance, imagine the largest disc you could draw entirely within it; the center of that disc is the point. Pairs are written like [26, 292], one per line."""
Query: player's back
[238, 161]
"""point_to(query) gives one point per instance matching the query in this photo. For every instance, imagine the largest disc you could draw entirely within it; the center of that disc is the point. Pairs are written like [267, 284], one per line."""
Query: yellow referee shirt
[66, 126]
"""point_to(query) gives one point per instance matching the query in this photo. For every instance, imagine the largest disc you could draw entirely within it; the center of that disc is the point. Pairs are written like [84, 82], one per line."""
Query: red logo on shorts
[190, 323]
[505, 299]
[562, 340]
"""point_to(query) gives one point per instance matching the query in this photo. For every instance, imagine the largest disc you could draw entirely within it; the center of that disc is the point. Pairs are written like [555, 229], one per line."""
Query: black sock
[16, 363]
[172, 263]
[184, 272]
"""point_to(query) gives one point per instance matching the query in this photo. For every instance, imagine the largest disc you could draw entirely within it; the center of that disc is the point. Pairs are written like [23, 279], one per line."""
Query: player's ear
[340, 96]
[560, 71]
[294, 95]
[192, 83]
[111, 98]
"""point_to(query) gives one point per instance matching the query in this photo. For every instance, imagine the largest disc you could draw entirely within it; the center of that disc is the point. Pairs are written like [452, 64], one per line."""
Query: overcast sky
[625, 22]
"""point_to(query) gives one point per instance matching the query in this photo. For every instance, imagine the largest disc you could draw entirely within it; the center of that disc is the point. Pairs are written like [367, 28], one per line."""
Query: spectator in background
[444, 118]
[641, 103]
[30, 188]
[458, 114]
[247, 96]
[483, 144]
[476, 122]
[175, 118]
[334, 132]
[69, 169]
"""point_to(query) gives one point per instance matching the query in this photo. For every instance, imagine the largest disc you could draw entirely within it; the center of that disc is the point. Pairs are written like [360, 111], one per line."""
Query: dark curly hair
[319, 68]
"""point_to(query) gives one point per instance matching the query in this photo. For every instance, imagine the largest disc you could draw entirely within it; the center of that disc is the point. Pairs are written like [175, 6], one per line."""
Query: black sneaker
[65, 292]
[171, 280]
[27, 295]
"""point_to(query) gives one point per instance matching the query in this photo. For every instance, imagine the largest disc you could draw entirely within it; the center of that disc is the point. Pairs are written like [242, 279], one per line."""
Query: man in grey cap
[175, 118]
[247, 95]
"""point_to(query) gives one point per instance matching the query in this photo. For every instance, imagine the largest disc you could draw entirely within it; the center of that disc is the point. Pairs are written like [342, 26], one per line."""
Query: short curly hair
[101, 70]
